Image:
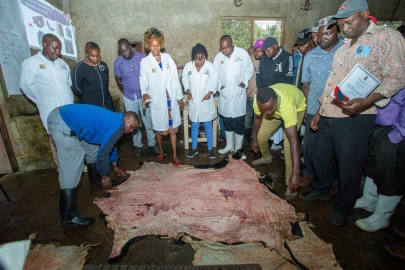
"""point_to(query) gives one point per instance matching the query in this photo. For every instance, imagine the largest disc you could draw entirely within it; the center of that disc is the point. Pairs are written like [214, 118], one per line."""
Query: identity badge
[363, 51]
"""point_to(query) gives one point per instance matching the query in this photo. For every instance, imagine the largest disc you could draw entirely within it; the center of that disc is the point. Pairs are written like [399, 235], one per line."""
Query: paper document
[359, 83]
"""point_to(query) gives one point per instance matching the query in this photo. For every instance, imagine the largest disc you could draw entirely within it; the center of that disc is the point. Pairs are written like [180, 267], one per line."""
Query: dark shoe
[315, 194]
[68, 210]
[221, 139]
[397, 252]
[138, 151]
[334, 190]
[339, 220]
[192, 153]
[154, 149]
[211, 155]
[94, 177]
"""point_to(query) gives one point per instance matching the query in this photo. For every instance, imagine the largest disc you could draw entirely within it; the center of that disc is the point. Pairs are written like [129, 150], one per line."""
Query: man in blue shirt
[77, 129]
[127, 70]
[316, 68]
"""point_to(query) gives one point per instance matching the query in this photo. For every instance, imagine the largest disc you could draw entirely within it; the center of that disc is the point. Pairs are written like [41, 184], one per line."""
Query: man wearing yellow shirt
[273, 105]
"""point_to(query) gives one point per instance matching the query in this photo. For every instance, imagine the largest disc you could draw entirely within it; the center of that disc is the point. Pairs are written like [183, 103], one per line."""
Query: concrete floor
[35, 203]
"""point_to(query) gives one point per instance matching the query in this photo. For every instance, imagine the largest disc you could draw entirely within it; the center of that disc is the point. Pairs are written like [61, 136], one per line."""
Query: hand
[118, 171]
[181, 104]
[206, 97]
[106, 184]
[354, 106]
[145, 98]
[295, 181]
[163, 133]
[315, 121]
[189, 95]
[255, 146]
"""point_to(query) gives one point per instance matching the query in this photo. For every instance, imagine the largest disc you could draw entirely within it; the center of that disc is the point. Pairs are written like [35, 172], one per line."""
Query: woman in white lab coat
[200, 81]
[161, 91]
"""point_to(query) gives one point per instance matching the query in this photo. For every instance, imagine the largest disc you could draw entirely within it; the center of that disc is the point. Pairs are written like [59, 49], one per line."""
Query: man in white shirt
[235, 69]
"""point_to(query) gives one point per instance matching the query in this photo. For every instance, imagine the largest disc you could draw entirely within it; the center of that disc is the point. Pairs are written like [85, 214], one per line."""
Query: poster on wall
[14, 47]
[42, 18]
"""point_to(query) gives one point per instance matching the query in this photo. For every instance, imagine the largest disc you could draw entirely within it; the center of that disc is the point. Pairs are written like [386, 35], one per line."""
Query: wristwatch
[243, 85]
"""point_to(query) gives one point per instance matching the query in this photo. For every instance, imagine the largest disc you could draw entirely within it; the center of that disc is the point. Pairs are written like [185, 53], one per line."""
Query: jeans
[194, 134]
[136, 107]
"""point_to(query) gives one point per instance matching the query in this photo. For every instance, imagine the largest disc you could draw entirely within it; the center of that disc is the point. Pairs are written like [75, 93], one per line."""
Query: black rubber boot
[94, 177]
[68, 210]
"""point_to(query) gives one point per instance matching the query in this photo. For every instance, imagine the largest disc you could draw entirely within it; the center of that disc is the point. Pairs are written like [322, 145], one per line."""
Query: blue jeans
[136, 107]
[208, 133]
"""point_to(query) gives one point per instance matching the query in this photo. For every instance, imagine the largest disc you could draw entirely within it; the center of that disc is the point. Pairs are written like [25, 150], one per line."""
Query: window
[245, 31]
[392, 24]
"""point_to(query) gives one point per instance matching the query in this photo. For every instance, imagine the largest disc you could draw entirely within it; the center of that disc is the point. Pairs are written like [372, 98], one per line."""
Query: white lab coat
[154, 82]
[47, 83]
[200, 83]
[231, 72]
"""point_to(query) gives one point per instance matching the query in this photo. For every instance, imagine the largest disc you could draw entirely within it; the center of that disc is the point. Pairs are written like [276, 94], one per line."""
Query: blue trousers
[208, 133]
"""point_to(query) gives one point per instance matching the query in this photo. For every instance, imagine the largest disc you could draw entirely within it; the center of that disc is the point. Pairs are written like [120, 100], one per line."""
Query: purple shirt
[129, 71]
[394, 115]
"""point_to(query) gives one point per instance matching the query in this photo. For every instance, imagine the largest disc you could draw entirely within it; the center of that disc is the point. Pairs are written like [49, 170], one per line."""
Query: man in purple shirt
[385, 167]
[127, 69]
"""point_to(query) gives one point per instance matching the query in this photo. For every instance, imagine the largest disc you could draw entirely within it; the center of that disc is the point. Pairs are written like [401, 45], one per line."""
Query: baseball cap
[328, 21]
[269, 42]
[349, 7]
[303, 37]
[259, 43]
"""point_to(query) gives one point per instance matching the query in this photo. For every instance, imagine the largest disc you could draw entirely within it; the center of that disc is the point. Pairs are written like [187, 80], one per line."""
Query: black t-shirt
[275, 70]
[92, 82]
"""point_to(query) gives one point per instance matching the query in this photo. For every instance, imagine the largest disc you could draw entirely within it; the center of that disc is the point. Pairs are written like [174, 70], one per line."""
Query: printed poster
[42, 18]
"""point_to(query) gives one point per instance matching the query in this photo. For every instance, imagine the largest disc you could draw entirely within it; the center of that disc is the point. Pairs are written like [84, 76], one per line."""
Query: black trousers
[236, 124]
[382, 163]
[341, 149]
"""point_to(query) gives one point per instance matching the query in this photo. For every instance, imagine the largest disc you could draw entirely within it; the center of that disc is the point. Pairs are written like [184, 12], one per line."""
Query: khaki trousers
[268, 127]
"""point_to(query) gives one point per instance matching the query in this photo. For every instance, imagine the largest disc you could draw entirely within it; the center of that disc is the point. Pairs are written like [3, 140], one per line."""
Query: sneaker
[154, 149]
[138, 151]
[261, 161]
[290, 195]
[211, 155]
[192, 153]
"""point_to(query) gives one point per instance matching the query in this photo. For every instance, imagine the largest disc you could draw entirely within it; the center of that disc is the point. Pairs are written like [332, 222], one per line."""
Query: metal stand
[5, 193]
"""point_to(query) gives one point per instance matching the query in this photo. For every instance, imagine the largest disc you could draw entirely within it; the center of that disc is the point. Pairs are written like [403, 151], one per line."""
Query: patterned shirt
[386, 61]
[316, 68]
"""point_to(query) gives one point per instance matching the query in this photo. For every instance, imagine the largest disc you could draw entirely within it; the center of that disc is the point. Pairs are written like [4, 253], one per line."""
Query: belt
[378, 126]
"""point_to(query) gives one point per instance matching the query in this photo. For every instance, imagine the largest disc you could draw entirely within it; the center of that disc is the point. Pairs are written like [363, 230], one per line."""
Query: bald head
[226, 45]
[52, 47]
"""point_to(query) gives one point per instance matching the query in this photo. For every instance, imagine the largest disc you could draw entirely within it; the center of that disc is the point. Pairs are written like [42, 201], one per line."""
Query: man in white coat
[234, 69]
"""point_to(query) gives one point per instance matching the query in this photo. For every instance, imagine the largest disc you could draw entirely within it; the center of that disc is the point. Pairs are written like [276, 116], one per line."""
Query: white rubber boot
[369, 199]
[380, 219]
[229, 143]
